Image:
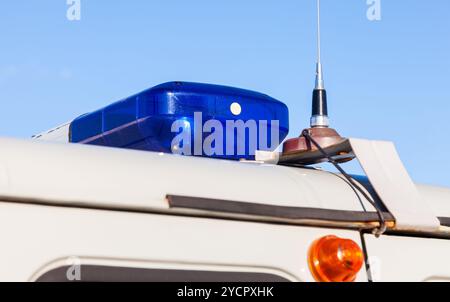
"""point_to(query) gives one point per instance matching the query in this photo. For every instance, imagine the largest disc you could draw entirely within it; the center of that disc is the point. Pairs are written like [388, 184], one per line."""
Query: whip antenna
[302, 150]
[319, 73]
[319, 116]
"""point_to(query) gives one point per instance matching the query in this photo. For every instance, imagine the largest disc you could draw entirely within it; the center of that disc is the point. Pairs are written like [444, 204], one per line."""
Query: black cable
[352, 187]
[350, 179]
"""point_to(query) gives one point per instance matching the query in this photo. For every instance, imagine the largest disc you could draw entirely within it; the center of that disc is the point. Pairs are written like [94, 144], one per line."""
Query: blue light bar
[154, 119]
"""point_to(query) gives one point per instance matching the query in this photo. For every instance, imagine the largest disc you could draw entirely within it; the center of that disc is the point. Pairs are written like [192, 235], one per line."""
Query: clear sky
[386, 79]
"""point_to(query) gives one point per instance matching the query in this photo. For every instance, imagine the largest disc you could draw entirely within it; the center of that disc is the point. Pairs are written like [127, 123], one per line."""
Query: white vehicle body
[99, 214]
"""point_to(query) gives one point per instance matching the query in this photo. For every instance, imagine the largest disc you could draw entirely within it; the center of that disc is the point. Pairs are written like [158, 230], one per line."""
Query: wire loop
[382, 227]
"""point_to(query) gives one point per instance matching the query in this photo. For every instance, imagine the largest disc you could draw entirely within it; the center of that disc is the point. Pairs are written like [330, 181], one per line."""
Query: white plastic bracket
[389, 178]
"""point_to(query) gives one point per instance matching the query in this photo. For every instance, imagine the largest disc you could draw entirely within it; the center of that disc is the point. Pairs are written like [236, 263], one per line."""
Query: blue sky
[386, 80]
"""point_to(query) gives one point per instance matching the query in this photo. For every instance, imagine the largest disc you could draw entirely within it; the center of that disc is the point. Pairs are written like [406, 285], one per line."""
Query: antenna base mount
[300, 150]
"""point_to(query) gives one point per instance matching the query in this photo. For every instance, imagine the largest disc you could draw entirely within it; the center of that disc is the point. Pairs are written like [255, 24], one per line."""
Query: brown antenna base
[301, 151]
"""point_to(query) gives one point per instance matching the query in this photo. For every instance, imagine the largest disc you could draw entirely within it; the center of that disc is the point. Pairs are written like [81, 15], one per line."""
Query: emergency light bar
[190, 119]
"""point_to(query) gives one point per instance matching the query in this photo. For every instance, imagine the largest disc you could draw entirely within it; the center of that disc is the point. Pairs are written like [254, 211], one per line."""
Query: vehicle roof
[72, 174]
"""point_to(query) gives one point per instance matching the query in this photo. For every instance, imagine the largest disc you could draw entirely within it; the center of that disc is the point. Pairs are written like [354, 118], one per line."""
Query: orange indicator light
[333, 259]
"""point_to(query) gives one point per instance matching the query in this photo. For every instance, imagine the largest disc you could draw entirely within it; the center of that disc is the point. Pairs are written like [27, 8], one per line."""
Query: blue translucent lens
[146, 121]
